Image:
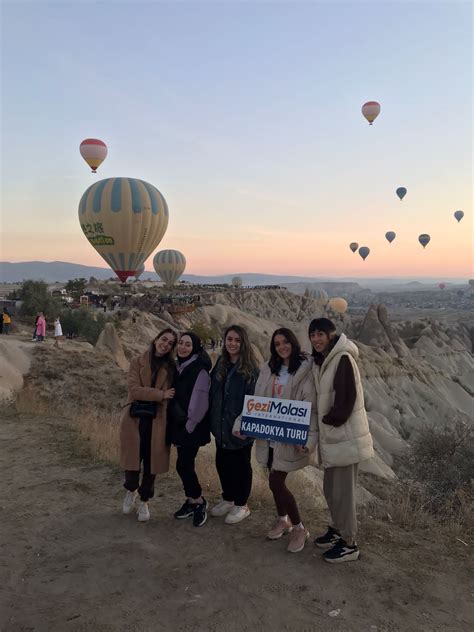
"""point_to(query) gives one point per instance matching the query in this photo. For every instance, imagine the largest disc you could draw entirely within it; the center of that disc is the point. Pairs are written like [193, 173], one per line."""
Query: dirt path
[71, 561]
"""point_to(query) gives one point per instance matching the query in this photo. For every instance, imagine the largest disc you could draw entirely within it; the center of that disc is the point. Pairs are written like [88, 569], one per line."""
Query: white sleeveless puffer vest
[350, 443]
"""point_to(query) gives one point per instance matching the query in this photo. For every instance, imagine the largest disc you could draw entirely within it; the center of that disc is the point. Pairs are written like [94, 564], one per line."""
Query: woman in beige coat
[143, 440]
[287, 375]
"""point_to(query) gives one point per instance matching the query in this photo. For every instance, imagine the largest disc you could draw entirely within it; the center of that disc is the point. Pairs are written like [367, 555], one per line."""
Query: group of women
[188, 401]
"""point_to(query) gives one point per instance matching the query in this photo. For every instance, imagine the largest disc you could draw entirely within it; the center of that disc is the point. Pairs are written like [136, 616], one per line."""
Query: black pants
[132, 478]
[235, 473]
[186, 471]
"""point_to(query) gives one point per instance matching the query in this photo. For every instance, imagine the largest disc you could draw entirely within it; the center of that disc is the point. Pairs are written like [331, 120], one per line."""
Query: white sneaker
[129, 502]
[143, 512]
[236, 514]
[222, 508]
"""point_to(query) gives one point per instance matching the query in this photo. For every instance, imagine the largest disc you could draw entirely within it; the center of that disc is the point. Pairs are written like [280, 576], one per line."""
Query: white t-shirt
[58, 331]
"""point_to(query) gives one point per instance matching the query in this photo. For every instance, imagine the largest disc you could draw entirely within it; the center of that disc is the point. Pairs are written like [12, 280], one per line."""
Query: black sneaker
[185, 511]
[342, 552]
[329, 539]
[200, 513]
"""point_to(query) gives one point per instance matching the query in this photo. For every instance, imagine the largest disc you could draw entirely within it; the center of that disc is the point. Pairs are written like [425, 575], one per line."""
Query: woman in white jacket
[287, 375]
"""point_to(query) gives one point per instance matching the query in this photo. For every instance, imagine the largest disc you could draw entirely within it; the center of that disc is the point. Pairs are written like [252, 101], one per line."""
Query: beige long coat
[139, 381]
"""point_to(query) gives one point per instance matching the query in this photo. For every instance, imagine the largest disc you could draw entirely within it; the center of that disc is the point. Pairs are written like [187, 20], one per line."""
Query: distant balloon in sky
[94, 152]
[364, 252]
[237, 281]
[424, 239]
[339, 305]
[459, 215]
[140, 271]
[169, 265]
[401, 192]
[371, 110]
[125, 220]
[441, 286]
[353, 246]
[390, 236]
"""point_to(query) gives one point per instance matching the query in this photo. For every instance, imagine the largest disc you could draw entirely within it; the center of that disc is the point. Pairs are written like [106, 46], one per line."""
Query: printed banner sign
[283, 420]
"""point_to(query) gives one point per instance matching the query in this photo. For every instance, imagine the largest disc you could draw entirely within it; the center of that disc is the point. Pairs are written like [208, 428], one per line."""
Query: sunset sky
[246, 116]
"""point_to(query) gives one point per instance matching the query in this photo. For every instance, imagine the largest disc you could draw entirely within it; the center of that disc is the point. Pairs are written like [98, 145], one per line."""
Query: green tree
[83, 322]
[76, 287]
[36, 298]
[203, 331]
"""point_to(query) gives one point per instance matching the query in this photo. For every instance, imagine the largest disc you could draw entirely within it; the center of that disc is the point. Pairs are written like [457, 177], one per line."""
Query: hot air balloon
[125, 220]
[459, 215]
[169, 265]
[94, 152]
[140, 271]
[371, 110]
[390, 236]
[353, 246]
[320, 296]
[364, 252]
[237, 281]
[339, 305]
[441, 286]
[401, 192]
[424, 239]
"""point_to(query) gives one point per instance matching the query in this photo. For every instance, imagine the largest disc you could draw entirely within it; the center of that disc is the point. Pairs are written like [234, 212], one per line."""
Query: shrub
[36, 298]
[83, 322]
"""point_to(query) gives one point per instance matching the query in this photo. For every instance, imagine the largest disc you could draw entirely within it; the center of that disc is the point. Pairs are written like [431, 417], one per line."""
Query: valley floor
[72, 561]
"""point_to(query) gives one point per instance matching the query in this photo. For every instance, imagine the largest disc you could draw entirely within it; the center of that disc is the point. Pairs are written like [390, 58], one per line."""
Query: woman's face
[282, 347]
[320, 341]
[232, 344]
[185, 347]
[164, 344]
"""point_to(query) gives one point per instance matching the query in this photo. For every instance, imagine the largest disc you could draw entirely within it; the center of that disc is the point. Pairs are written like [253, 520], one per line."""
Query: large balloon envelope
[169, 265]
[140, 271]
[371, 110]
[364, 252]
[320, 296]
[459, 215]
[401, 192]
[125, 220]
[237, 281]
[424, 239]
[353, 246]
[390, 236]
[339, 305]
[441, 286]
[94, 152]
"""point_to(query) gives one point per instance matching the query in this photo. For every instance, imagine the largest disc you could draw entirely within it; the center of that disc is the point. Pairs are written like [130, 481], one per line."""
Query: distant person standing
[40, 327]
[233, 377]
[143, 438]
[7, 321]
[344, 435]
[188, 424]
[287, 375]
[58, 331]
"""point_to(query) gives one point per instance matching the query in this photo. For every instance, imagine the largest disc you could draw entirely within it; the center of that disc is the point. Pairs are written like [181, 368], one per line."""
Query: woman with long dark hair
[233, 377]
[188, 424]
[287, 375]
[143, 437]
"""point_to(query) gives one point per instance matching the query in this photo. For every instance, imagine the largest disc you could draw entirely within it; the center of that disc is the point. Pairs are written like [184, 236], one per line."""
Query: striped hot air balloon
[125, 220]
[320, 296]
[139, 271]
[94, 152]
[371, 110]
[169, 265]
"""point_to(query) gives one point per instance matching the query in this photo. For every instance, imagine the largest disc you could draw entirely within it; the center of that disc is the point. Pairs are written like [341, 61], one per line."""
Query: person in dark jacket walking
[188, 423]
[233, 377]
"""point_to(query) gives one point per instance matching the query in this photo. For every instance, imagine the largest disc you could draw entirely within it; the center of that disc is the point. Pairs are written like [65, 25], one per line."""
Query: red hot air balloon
[442, 286]
[371, 110]
[94, 152]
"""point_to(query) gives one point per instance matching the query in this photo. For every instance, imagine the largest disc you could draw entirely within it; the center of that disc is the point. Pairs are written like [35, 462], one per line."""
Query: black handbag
[143, 409]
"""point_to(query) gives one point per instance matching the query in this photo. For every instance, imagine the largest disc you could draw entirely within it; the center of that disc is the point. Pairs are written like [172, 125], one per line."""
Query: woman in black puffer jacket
[188, 422]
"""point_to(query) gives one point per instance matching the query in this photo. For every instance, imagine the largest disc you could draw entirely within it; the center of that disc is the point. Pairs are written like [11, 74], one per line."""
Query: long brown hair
[296, 358]
[246, 364]
[166, 361]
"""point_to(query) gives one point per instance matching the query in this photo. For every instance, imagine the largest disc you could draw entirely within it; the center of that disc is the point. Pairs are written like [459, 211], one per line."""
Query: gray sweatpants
[339, 490]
